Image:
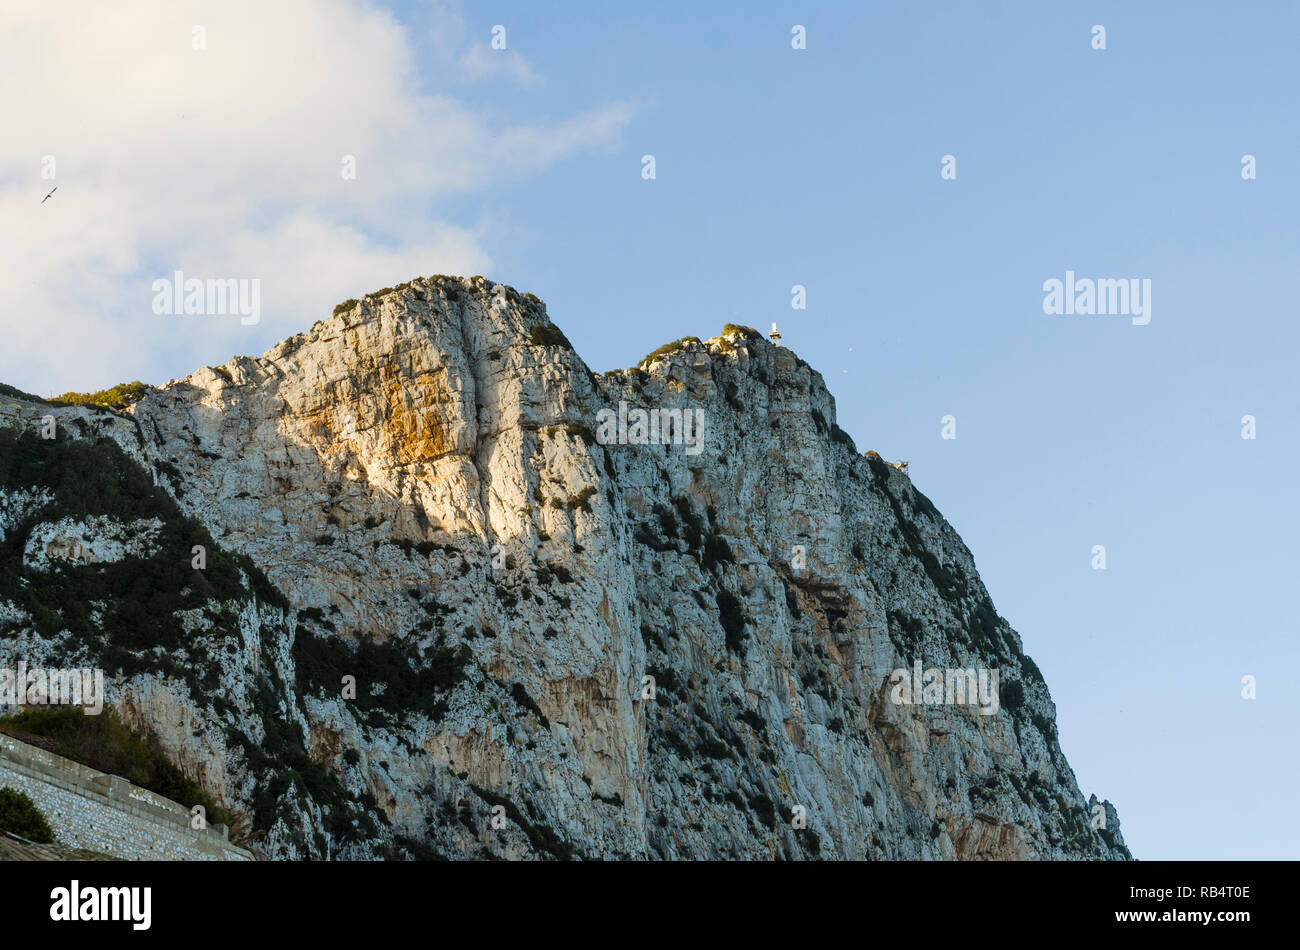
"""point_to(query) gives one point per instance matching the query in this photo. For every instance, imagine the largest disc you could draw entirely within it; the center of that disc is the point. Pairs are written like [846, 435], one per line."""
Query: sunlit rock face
[572, 628]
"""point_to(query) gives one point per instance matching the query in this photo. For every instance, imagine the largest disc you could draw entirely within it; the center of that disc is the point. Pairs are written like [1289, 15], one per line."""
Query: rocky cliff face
[499, 618]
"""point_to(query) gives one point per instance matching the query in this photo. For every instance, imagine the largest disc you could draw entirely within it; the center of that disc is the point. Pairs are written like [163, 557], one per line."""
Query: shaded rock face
[515, 629]
[97, 539]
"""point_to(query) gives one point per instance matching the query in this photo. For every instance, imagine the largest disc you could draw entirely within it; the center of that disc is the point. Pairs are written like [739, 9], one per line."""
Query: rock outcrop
[504, 615]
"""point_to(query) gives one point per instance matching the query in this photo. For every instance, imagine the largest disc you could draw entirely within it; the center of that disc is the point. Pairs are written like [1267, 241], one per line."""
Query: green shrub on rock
[20, 816]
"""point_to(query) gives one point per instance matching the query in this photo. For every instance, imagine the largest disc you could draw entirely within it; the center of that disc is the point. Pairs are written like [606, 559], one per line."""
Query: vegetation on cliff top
[120, 397]
[748, 333]
[12, 393]
[548, 334]
[668, 348]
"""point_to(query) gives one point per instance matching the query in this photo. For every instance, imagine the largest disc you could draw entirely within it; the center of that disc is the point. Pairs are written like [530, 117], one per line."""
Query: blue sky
[821, 167]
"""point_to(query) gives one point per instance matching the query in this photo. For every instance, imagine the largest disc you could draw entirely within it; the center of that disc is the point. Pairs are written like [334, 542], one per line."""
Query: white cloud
[483, 62]
[477, 61]
[226, 162]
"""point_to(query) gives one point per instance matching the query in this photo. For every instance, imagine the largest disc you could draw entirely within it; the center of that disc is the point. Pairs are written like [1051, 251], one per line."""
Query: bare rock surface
[565, 644]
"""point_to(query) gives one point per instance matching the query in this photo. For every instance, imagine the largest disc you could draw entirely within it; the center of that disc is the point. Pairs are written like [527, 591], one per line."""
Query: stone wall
[106, 813]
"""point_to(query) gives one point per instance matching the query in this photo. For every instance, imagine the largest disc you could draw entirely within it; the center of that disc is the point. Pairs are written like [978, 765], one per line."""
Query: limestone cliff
[426, 481]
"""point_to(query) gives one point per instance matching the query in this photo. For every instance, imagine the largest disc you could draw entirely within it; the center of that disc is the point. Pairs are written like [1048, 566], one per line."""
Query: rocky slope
[444, 615]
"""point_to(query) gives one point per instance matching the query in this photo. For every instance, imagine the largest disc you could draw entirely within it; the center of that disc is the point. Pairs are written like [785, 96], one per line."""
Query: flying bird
[47, 197]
